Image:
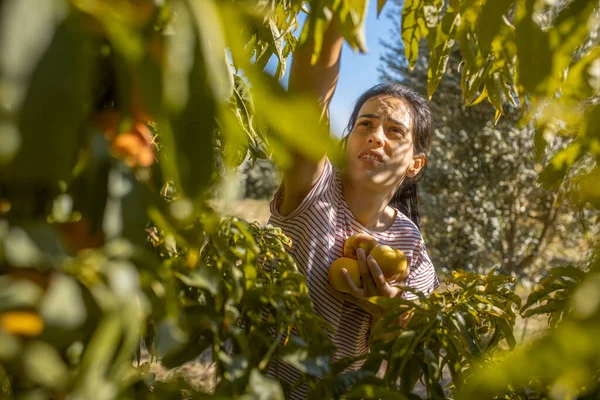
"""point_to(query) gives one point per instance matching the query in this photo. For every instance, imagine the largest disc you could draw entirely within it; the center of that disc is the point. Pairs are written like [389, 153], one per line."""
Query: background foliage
[260, 179]
[482, 201]
[116, 121]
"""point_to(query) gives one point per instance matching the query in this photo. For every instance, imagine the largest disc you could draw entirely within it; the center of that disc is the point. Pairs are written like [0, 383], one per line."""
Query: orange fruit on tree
[135, 147]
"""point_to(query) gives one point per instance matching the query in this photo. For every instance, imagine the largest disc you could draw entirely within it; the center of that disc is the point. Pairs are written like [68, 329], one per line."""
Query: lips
[370, 157]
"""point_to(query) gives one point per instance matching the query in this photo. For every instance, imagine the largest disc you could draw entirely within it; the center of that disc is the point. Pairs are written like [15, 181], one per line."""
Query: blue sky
[358, 72]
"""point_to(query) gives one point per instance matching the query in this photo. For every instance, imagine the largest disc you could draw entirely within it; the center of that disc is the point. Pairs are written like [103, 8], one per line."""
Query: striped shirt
[319, 227]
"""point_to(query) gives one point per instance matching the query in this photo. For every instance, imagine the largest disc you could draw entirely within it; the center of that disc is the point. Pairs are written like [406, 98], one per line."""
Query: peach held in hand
[337, 278]
[359, 241]
[392, 262]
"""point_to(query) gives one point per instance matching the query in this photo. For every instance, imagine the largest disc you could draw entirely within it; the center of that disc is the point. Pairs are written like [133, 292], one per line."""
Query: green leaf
[512, 296]
[473, 77]
[548, 287]
[204, 277]
[463, 330]
[92, 377]
[553, 357]
[489, 22]
[403, 344]
[190, 351]
[43, 365]
[21, 250]
[413, 29]
[371, 391]
[589, 191]
[560, 163]
[18, 294]
[441, 41]
[350, 18]
[285, 114]
[569, 30]
[432, 374]
[493, 87]
[212, 46]
[470, 13]
[479, 99]
[534, 53]
[62, 306]
[125, 215]
[275, 40]
[550, 307]
[10, 346]
[571, 272]
[125, 39]
[343, 381]
[380, 5]
[301, 360]
[90, 188]
[20, 55]
[22, 52]
[55, 106]
[187, 152]
[580, 81]
[507, 330]
[235, 366]
[242, 97]
[313, 30]
[508, 87]
[170, 337]
[263, 388]
[474, 61]
[411, 373]
[34, 245]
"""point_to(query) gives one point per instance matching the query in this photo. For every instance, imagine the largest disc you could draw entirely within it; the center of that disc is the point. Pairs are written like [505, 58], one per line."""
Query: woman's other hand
[373, 280]
[374, 284]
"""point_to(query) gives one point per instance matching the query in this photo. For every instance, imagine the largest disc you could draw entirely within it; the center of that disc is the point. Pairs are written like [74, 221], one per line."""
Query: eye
[396, 131]
[365, 123]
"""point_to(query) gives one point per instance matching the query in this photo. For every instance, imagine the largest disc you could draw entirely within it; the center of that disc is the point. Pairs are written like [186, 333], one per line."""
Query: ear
[418, 163]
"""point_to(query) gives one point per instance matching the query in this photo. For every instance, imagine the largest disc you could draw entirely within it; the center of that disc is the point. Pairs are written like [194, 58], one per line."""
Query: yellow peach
[336, 277]
[359, 241]
[392, 262]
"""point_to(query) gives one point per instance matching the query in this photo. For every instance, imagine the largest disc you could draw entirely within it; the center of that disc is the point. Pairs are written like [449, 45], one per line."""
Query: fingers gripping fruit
[359, 241]
[392, 262]
[337, 278]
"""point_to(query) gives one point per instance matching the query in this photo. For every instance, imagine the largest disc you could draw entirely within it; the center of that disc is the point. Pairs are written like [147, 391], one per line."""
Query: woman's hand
[374, 284]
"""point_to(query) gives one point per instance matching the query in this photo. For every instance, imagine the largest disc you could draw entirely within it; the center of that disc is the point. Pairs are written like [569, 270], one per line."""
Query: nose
[376, 136]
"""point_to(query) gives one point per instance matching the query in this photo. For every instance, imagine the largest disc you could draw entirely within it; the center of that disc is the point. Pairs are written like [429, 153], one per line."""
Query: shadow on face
[380, 148]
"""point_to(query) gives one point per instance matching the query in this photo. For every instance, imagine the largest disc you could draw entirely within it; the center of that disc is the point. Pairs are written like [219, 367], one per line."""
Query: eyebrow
[375, 116]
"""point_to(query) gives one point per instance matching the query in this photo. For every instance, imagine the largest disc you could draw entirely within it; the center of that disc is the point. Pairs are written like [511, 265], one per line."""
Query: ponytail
[406, 200]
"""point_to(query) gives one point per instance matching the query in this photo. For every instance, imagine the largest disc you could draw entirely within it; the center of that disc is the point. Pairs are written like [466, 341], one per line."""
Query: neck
[369, 208]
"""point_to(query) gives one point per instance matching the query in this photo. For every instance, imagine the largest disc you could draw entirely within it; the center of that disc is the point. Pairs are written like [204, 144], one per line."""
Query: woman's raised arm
[317, 81]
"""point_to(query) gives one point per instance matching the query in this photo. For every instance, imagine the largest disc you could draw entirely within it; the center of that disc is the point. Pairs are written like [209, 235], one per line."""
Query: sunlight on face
[380, 146]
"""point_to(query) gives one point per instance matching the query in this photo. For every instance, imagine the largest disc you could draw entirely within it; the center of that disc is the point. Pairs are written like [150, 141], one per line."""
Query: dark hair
[406, 199]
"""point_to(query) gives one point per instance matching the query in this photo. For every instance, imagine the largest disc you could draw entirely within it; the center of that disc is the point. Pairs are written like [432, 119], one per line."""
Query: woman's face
[380, 146]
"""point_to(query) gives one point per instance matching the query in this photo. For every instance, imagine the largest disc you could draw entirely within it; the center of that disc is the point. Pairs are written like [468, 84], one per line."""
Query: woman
[319, 206]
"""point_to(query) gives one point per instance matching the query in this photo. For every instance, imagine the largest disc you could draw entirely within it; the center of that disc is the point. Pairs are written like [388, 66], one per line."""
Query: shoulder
[404, 226]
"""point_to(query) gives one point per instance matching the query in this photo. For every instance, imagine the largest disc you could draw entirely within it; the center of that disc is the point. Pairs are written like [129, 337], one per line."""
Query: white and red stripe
[319, 227]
